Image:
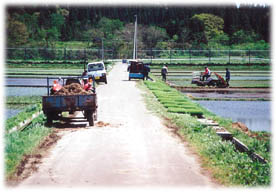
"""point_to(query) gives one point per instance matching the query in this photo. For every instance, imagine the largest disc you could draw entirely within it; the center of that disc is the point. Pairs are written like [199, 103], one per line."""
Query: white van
[97, 69]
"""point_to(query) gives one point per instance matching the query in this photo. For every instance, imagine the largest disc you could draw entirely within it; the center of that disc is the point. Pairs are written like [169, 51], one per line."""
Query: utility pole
[102, 50]
[135, 39]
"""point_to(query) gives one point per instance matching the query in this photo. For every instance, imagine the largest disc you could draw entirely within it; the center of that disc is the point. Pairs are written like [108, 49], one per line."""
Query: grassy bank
[40, 70]
[19, 143]
[50, 64]
[195, 67]
[227, 165]
[14, 100]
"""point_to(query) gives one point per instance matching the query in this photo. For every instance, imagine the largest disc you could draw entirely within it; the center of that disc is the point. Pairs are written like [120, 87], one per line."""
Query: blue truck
[54, 105]
[136, 70]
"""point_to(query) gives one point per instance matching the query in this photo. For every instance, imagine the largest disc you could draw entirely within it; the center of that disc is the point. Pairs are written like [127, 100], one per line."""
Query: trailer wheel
[49, 119]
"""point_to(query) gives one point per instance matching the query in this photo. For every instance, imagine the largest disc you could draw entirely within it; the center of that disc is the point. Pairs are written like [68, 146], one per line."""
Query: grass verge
[20, 143]
[216, 67]
[49, 64]
[13, 100]
[227, 165]
[23, 115]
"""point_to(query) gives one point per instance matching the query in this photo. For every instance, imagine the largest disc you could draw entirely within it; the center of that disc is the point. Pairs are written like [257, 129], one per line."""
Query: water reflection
[12, 110]
[254, 114]
[25, 91]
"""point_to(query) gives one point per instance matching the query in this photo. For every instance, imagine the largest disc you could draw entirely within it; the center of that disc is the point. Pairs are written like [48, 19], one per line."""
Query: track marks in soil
[30, 162]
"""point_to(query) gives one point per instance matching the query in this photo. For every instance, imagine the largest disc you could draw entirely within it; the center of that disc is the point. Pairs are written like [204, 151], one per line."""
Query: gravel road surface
[128, 146]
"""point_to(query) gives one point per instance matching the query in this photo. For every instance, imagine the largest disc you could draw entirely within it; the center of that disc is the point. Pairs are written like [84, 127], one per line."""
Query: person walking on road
[227, 76]
[164, 72]
[206, 74]
[146, 72]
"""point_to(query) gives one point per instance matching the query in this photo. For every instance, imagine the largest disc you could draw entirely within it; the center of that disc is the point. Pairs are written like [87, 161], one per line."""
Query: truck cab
[97, 69]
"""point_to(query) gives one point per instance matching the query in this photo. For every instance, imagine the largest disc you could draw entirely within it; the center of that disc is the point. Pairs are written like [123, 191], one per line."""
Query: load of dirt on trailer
[72, 89]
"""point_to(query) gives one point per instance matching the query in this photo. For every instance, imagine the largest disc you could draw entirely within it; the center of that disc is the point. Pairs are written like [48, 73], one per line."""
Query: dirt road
[129, 146]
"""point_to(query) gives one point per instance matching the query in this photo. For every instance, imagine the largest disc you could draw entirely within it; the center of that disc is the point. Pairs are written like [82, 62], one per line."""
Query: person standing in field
[227, 76]
[164, 72]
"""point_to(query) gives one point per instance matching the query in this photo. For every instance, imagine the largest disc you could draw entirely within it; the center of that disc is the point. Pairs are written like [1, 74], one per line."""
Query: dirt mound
[241, 126]
[102, 124]
[72, 89]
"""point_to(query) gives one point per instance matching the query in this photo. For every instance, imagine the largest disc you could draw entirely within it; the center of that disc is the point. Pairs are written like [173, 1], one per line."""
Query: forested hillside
[160, 27]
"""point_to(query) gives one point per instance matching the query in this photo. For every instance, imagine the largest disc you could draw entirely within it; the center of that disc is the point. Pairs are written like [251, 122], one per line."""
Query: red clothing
[87, 86]
[56, 87]
[207, 71]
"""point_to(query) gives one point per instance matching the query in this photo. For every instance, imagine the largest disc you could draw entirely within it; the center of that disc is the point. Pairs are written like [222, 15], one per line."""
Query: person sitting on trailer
[84, 81]
[206, 74]
[89, 85]
[56, 87]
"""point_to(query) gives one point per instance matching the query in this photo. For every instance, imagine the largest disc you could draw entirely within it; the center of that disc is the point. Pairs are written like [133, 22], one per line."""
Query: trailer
[54, 105]
[136, 70]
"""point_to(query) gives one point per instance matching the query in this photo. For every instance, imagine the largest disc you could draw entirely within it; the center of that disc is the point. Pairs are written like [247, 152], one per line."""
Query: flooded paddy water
[246, 103]
[12, 110]
[245, 107]
[251, 108]
[230, 95]
[256, 115]
[25, 91]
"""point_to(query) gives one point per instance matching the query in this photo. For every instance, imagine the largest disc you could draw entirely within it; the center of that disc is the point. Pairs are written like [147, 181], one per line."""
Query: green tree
[220, 41]
[17, 33]
[109, 26]
[241, 36]
[152, 35]
[31, 22]
[206, 26]
[49, 36]
[57, 21]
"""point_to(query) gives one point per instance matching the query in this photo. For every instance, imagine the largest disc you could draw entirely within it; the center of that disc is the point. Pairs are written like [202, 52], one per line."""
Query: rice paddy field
[227, 164]
[241, 76]
[178, 106]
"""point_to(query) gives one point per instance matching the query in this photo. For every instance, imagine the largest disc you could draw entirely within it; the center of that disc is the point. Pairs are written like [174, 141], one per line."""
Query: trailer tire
[49, 119]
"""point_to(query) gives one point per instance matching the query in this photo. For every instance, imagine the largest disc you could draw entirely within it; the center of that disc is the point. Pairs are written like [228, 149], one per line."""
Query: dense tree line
[163, 27]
